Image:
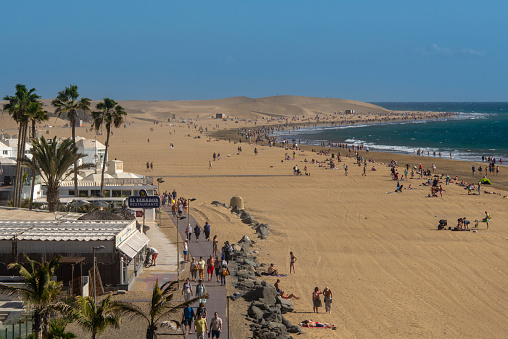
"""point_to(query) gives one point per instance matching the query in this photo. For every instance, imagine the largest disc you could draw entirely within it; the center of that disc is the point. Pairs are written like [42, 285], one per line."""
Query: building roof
[89, 143]
[62, 230]
[7, 161]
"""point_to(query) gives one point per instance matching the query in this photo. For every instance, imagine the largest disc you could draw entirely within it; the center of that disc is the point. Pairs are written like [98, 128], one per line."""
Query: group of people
[211, 265]
[197, 319]
[327, 296]
[197, 232]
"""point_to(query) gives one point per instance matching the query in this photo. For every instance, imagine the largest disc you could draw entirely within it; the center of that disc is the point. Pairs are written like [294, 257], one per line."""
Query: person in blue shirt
[188, 315]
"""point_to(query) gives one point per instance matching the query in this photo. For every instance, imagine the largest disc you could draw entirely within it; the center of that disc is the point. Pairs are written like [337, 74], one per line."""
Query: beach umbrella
[485, 181]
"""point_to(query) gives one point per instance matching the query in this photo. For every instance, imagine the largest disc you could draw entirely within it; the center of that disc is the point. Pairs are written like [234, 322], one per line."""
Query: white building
[93, 150]
[9, 149]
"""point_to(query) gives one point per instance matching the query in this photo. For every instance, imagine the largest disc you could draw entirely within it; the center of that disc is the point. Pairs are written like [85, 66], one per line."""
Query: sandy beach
[392, 273]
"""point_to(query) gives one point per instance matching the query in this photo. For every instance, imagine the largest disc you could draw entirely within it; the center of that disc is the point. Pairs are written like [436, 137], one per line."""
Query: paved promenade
[217, 293]
[165, 270]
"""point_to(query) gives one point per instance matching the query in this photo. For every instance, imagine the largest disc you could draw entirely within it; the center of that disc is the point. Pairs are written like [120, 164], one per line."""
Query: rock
[247, 220]
[273, 325]
[272, 317]
[245, 274]
[285, 305]
[235, 210]
[217, 203]
[246, 284]
[274, 309]
[235, 296]
[251, 262]
[265, 294]
[246, 239]
[260, 305]
[290, 327]
[255, 312]
[263, 230]
[237, 248]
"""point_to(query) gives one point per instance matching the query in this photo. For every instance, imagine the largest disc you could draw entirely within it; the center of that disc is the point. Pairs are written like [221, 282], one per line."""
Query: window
[117, 193]
[83, 193]
[4, 152]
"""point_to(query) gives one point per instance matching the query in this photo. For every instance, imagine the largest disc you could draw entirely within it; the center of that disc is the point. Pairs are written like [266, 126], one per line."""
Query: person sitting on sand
[310, 323]
[282, 293]
[271, 270]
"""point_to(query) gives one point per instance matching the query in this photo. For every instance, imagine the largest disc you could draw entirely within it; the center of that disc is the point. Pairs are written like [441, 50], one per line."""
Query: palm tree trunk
[37, 325]
[18, 167]
[73, 123]
[108, 129]
[19, 173]
[52, 196]
[32, 171]
[150, 333]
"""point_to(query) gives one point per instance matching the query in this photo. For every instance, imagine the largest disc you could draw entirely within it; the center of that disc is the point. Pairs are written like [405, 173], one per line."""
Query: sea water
[479, 129]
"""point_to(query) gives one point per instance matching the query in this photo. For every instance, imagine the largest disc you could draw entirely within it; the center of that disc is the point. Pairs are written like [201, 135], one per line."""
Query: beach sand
[392, 273]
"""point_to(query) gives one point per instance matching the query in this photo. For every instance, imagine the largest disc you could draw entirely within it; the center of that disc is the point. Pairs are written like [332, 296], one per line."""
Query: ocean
[479, 128]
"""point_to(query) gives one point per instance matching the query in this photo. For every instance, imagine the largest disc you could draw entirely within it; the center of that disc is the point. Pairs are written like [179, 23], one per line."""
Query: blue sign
[144, 200]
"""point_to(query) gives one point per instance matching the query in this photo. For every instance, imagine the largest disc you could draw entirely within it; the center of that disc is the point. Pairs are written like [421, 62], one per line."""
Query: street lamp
[159, 181]
[178, 248]
[188, 208]
[94, 277]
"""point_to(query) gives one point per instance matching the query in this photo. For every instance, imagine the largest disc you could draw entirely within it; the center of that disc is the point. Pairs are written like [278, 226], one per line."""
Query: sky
[193, 50]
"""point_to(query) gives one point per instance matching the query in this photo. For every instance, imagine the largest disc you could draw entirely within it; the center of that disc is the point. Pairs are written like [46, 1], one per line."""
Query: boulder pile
[266, 310]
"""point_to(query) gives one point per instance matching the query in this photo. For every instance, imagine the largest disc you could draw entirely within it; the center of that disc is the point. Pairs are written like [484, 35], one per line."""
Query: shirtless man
[272, 271]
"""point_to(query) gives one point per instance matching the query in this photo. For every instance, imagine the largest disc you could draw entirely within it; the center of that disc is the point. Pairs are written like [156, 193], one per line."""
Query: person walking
[216, 326]
[188, 231]
[200, 327]
[215, 245]
[187, 290]
[210, 263]
[206, 229]
[327, 293]
[201, 268]
[316, 301]
[185, 250]
[188, 315]
[224, 272]
[293, 259]
[217, 268]
[197, 232]
[194, 269]
[201, 291]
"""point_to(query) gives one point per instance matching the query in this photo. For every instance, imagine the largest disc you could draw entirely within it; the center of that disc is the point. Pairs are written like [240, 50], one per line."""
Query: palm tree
[67, 102]
[52, 163]
[96, 318]
[18, 106]
[36, 114]
[160, 307]
[38, 292]
[109, 113]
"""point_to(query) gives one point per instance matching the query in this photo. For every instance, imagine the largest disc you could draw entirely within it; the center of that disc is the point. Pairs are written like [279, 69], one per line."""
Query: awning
[134, 244]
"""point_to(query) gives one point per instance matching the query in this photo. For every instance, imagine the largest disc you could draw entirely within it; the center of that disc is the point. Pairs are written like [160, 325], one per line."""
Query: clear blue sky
[185, 50]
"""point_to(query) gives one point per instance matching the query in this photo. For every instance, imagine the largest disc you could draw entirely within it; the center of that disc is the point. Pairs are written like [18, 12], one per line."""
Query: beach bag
[225, 272]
